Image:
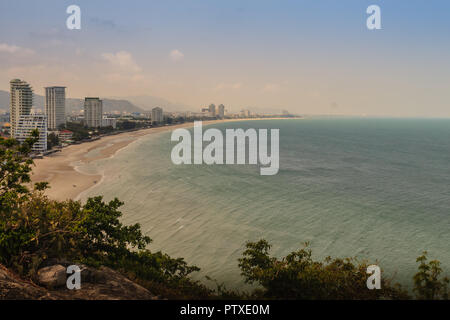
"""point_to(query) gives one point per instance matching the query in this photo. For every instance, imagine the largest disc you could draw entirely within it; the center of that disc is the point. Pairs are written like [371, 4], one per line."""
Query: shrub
[298, 276]
[35, 229]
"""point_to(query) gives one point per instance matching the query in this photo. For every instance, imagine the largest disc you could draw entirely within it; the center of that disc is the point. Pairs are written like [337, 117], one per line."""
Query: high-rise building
[157, 115]
[109, 122]
[26, 124]
[245, 113]
[212, 110]
[221, 113]
[55, 106]
[21, 101]
[93, 112]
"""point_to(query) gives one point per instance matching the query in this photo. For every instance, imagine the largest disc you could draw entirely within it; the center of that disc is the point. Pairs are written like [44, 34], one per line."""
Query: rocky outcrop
[105, 284]
[96, 284]
[14, 288]
[52, 276]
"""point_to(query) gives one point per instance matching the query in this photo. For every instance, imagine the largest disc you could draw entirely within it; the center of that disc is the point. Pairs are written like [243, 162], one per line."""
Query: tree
[126, 125]
[298, 276]
[15, 167]
[427, 282]
[52, 140]
[80, 132]
[35, 229]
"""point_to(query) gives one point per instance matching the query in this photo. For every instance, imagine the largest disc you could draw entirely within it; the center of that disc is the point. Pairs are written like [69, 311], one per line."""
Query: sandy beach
[59, 169]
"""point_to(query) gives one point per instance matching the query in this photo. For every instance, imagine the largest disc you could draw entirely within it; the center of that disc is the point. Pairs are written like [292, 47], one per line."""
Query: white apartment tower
[21, 101]
[93, 112]
[212, 110]
[55, 106]
[28, 123]
[221, 113]
[157, 115]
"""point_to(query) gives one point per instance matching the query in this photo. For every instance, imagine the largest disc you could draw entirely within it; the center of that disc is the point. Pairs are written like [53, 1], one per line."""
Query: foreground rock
[14, 288]
[52, 276]
[96, 284]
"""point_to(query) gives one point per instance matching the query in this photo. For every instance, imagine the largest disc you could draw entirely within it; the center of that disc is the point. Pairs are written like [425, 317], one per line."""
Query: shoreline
[67, 182]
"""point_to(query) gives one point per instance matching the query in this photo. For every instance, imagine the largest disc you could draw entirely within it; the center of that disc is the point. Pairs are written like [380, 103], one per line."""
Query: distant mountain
[130, 104]
[76, 105]
[149, 102]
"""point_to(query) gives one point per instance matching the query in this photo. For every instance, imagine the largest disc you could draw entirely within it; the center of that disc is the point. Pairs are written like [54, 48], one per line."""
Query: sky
[308, 57]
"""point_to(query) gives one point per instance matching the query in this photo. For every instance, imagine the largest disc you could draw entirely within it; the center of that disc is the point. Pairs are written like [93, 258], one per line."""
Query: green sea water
[377, 189]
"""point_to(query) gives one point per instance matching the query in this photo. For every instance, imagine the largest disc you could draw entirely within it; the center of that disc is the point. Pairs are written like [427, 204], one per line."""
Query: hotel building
[109, 122]
[21, 101]
[93, 112]
[65, 135]
[157, 115]
[212, 110]
[55, 107]
[221, 112]
[28, 123]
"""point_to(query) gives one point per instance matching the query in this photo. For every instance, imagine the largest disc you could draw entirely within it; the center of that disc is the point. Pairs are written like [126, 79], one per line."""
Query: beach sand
[59, 169]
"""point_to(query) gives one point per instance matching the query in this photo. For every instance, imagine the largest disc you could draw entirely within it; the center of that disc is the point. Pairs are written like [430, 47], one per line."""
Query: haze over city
[303, 56]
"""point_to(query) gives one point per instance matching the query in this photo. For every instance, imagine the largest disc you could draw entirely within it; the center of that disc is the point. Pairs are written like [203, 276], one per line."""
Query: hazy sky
[312, 57]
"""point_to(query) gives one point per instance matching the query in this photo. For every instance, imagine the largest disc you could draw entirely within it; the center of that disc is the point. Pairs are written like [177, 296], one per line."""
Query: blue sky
[305, 56]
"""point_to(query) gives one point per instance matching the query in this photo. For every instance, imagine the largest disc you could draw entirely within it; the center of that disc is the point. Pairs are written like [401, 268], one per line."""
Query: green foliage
[80, 132]
[39, 229]
[15, 167]
[104, 130]
[126, 125]
[427, 282]
[52, 140]
[105, 233]
[180, 119]
[298, 276]
[34, 229]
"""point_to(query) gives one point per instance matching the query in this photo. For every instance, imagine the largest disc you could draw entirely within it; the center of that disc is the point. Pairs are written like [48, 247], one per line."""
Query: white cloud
[123, 78]
[122, 60]
[176, 55]
[227, 86]
[12, 49]
[271, 88]
[33, 74]
[25, 71]
[123, 69]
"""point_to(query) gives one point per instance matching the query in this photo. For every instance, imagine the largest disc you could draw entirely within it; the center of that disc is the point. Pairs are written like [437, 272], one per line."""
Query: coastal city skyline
[297, 56]
[91, 121]
[54, 104]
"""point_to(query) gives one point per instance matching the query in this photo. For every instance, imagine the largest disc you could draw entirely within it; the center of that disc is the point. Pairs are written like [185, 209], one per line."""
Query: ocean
[376, 189]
